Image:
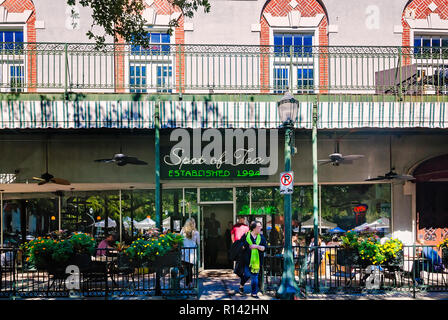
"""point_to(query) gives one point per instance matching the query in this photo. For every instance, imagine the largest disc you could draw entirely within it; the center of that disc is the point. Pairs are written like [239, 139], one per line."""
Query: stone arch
[293, 11]
[419, 10]
[431, 202]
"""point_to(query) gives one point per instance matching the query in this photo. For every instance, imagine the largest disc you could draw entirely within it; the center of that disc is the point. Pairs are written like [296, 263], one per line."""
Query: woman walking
[189, 253]
[253, 250]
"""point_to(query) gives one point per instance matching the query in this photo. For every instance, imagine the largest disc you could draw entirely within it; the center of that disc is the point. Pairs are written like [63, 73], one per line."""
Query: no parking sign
[286, 182]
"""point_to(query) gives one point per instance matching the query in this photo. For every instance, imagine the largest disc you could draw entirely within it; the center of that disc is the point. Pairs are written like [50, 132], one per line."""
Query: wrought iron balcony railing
[167, 68]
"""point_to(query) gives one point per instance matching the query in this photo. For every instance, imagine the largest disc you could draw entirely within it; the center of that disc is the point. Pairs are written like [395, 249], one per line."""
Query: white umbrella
[362, 227]
[101, 224]
[324, 224]
[147, 223]
[127, 222]
[381, 223]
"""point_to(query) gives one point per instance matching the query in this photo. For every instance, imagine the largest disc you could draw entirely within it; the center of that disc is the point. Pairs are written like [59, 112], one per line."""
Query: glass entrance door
[217, 217]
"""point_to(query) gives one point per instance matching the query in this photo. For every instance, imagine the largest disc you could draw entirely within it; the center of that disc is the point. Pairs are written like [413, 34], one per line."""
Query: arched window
[296, 30]
[425, 30]
[153, 69]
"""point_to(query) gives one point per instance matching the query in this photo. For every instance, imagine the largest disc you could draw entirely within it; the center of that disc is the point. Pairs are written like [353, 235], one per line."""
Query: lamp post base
[288, 290]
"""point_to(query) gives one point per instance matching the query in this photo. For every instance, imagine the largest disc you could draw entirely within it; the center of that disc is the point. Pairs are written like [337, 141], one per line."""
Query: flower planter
[57, 270]
[397, 261]
[82, 261]
[170, 259]
[347, 257]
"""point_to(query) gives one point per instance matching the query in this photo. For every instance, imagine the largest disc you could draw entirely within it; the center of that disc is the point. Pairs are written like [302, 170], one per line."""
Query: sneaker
[241, 291]
[255, 296]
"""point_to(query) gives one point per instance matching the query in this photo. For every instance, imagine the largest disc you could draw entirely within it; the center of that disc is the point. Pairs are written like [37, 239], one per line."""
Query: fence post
[66, 69]
[400, 95]
[291, 50]
[179, 70]
[413, 270]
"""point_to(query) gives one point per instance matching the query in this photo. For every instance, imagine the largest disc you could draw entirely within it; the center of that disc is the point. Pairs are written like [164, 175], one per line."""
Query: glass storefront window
[350, 206]
[216, 194]
[172, 209]
[242, 201]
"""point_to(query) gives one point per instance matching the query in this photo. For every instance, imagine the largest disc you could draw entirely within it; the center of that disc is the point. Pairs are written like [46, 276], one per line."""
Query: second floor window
[298, 68]
[159, 44]
[11, 40]
[301, 44]
[150, 68]
[12, 64]
[430, 46]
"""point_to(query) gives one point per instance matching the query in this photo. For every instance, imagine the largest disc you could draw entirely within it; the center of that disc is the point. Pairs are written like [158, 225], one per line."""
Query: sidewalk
[221, 285]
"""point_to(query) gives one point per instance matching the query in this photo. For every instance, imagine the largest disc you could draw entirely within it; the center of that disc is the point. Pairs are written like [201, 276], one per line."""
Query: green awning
[185, 114]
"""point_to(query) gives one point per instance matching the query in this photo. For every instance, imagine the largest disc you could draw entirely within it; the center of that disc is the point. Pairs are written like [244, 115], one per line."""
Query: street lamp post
[288, 108]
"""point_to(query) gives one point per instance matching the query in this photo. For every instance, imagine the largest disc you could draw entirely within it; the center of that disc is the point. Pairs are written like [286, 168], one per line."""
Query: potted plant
[347, 255]
[444, 247]
[371, 252]
[155, 253]
[49, 254]
[393, 251]
[83, 249]
[54, 255]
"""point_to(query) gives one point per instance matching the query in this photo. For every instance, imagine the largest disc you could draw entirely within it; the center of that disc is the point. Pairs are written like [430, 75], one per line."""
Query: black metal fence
[416, 268]
[107, 274]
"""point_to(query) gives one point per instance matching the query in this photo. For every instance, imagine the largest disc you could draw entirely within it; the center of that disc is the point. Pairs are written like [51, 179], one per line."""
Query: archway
[432, 201]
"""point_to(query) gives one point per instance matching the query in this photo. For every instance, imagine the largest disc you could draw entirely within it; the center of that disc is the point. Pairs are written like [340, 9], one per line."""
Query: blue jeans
[253, 279]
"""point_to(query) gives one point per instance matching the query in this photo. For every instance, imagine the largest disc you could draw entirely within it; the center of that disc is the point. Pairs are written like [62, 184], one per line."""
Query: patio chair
[122, 267]
[7, 264]
[344, 270]
[429, 269]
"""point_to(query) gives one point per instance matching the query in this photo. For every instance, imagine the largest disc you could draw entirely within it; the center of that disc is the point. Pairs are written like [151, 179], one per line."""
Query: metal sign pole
[121, 223]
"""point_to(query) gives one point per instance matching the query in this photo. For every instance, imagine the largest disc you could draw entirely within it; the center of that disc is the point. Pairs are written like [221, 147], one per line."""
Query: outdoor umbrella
[362, 227]
[324, 224]
[101, 224]
[381, 223]
[127, 222]
[147, 223]
[336, 230]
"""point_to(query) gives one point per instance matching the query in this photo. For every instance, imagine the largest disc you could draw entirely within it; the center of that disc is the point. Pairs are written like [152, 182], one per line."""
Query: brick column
[19, 6]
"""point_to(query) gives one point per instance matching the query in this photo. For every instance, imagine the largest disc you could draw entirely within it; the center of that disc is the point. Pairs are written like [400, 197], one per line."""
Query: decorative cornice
[433, 21]
[293, 19]
[154, 19]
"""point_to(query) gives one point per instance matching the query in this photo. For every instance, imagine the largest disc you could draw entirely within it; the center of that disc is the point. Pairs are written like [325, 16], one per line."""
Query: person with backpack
[235, 252]
[254, 245]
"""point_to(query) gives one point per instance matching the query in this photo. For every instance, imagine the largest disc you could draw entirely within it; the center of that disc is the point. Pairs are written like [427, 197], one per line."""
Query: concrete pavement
[222, 284]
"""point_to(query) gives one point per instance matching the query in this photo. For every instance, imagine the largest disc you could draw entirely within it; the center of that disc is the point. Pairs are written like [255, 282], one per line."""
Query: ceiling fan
[337, 158]
[392, 175]
[121, 160]
[47, 177]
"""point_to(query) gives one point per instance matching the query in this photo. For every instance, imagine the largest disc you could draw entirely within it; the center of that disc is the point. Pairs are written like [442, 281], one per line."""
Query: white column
[59, 214]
